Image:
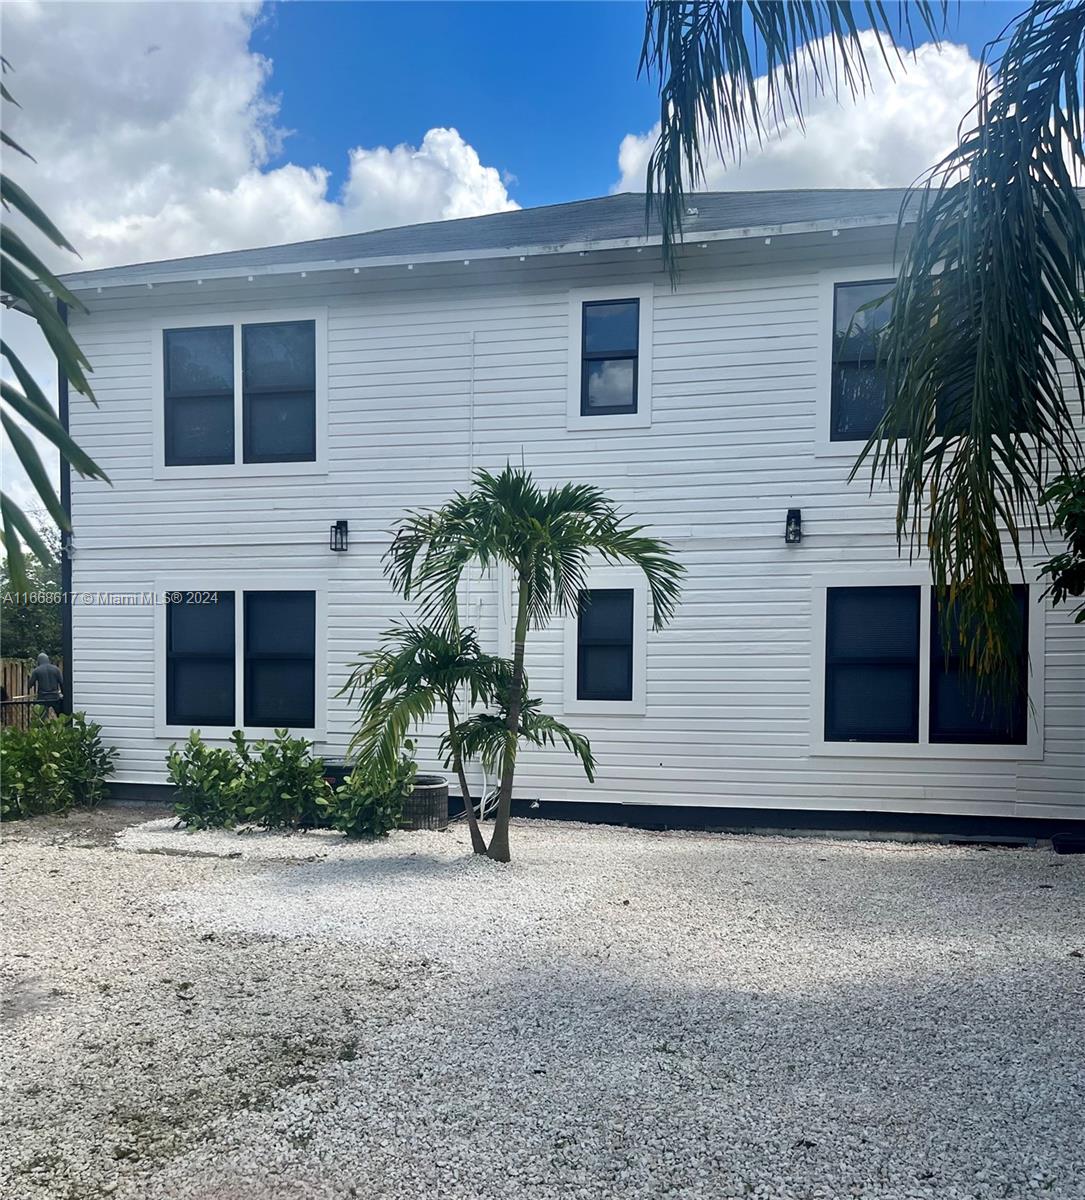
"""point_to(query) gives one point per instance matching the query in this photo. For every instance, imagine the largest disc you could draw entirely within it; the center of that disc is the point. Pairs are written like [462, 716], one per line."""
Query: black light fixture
[338, 539]
[793, 527]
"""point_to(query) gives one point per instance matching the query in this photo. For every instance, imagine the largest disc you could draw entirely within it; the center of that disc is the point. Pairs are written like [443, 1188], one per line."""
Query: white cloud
[903, 124]
[153, 126]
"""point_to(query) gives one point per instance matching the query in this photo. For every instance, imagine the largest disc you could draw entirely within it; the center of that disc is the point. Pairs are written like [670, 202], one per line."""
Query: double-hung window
[860, 313]
[241, 659]
[890, 676]
[610, 341]
[606, 652]
[604, 644]
[199, 395]
[610, 358]
[240, 392]
[200, 660]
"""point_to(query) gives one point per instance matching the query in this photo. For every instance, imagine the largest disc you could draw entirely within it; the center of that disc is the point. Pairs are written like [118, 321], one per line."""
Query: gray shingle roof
[606, 219]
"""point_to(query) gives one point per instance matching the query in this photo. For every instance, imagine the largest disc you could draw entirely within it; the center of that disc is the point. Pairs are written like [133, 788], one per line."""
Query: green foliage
[369, 802]
[26, 278]
[280, 785]
[30, 616]
[707, 54]
[1066, 571]
[548, 537]
[204, 777]
[485, 736]
[417, 670]
[984, 348]
[52, 765]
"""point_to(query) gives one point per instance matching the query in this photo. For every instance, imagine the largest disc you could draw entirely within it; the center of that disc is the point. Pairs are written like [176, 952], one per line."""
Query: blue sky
[545, 90]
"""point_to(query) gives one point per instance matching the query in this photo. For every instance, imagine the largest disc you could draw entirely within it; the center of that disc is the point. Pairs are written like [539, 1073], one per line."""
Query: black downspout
[65, 535]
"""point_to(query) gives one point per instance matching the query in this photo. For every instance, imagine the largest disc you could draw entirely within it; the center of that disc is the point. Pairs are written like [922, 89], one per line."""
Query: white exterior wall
[448, 367]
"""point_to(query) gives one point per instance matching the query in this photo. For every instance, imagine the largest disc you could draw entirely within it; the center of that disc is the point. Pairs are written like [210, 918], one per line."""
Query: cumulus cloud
[903, 124]
[154, 127]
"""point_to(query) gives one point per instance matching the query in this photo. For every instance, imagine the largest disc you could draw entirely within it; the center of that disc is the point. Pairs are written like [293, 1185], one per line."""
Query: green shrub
[205, 778]
[52, 765]
[369, 802]
[281, 785]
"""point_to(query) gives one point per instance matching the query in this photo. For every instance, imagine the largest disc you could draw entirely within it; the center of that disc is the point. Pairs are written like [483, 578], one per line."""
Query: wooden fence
[14, 673]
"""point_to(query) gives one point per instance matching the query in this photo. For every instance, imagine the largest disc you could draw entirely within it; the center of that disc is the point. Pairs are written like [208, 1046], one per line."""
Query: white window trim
[1032, 750]
[248, 581]
[824, 447]
[611, 577]
[642, 418]
[239, 468]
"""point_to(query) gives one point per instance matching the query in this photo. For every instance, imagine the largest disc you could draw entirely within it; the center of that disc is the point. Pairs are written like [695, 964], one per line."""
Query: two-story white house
[251, 401]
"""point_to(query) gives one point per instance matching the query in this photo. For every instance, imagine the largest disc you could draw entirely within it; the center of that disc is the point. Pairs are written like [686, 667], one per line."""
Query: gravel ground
[222, 1016]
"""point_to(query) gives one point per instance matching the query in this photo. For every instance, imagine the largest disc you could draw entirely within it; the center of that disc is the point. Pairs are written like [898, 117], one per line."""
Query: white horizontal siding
[442, 369]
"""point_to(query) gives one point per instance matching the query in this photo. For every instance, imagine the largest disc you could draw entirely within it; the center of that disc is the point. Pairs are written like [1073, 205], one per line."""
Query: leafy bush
[205, 778]
[369, 802]
[276, 784]
[281, 785]
[52, 765]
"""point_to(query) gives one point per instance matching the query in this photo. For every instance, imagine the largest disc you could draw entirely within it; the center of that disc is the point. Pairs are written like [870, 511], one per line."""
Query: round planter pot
[427, 806]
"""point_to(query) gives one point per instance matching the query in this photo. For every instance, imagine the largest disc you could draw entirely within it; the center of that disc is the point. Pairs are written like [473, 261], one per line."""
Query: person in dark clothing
[47, 683]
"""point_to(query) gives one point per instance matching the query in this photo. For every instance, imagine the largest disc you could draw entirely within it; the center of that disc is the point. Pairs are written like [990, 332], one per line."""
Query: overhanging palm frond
[25, 278]
[984, 347]
[485, 737]
[708, 55]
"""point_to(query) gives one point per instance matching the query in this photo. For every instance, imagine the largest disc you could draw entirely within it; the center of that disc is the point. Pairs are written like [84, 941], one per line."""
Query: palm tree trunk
[478, 842]
[499, 843]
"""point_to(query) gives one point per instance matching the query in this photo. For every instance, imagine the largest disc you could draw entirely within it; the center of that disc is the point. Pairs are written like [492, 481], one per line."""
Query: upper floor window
[608, 359]
[199, 395]
[860, 314]
[275, 391]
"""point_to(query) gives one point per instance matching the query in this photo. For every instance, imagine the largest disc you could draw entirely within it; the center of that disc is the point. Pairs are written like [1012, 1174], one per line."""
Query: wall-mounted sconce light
[338, 539]
[793, 527]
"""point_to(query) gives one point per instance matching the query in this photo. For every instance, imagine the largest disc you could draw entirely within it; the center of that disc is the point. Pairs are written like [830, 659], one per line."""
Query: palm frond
[484, 737]
[984, 346]
[416, 670]
[708, 56]
[26, 278]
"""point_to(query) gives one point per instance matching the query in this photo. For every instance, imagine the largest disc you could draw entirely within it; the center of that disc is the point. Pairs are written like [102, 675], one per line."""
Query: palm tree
[548, 538]
[417, 671]
[29, 282]
[989, 306]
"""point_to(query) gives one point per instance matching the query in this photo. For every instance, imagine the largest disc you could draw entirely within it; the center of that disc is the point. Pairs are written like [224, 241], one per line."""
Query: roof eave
[115, 277]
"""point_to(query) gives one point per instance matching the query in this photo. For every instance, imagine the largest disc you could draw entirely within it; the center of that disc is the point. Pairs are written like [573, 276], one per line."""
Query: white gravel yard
[219, 1016]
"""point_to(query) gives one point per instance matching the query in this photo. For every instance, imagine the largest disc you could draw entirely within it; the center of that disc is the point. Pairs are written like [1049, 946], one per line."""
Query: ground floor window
[604, 659]
[877, 643]
[245, 658]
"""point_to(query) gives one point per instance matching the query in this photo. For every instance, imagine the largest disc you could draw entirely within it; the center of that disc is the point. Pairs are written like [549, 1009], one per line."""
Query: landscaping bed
[254, 1016]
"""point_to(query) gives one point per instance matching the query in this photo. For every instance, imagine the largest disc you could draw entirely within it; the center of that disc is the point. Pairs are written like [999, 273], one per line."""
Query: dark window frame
[943, 664]
[583, 645]
[235, 396]
[306, 720]
[834, 661]
[835, 400]
[173, 656]
[247, 395]
[171, 402]
[589, 356]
